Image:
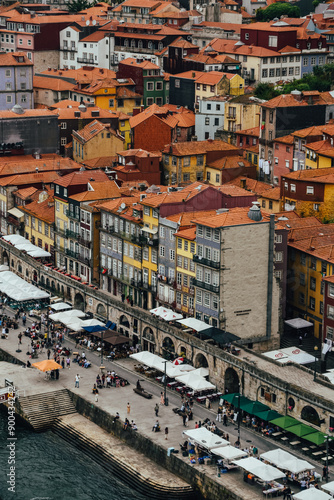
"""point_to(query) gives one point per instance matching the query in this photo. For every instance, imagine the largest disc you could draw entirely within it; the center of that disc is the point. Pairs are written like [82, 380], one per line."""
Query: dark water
[49, 468]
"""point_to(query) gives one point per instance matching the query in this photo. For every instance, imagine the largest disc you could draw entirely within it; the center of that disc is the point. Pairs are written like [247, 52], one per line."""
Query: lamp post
[326, 437]
[315, 364]
[238, 428]
[165, 383]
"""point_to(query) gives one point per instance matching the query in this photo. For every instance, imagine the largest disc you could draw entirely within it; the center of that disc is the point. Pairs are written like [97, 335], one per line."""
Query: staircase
[123, 471]
[41, 410]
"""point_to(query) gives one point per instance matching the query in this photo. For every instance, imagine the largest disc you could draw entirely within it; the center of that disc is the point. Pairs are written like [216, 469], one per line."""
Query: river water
[49, 468]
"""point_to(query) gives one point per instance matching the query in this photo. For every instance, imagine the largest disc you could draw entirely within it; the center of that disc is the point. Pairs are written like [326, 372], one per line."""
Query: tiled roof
[198, 147]
[99, 191]
[287, 49]
[224, 46]
[95, 37]
[125, 93]
[229, 162]
[187, 234]
[13, 59]
[255, 132]
[56, 84]
[25, 193]
[44, 210]
[236, 28]
[100, 162]
[139, 152]
[28, 164]
[309, 131]
[91, 130]
[85, 74]
[27, 113]
[288, 100]
[69, 113]
[131, 61]
[323, 175]
[65, 103]
[230, 190]
[286, 139]
[234, 217]
[205, 77]
[268, 26]
[31, 178]
[180, 42]
[155, 200]
[184, 219]
[82, 177]
[259, 188]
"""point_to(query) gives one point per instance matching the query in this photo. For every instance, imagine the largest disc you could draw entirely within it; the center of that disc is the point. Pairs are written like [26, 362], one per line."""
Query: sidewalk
[141, 409]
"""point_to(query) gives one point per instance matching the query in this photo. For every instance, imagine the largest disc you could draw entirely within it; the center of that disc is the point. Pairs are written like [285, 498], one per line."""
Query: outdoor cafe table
[274, 490]
[294, 443]
[171, 385]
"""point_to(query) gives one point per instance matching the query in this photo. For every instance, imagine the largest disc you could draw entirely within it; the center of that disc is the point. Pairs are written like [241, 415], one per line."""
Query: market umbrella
[178, 361]
[317, 438]
[267, 415]
[187, 368]
[205, 438]
[170, 315]
[286, 461]
[284, 422]
[329, 487]
[60, 306]
[47, 365]
[253, 407]
[301, 430]
[233, 398]
[202, 372]
[312, 494]
[158, 311]
[229, 452]
[259, 469]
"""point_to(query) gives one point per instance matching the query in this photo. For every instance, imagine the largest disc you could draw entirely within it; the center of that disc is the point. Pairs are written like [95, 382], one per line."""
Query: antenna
[122, 206]
[94, 22]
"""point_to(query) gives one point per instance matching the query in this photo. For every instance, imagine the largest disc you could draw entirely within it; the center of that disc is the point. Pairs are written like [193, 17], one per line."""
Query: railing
[206, 286]
[72, 234]
[86, 60]
[60, 248]
[206, 262]
[12, 220]
[84, 242]
[60, 231]
[68, 49]
[85, 260]
[71, 253]
[72, 215]
[231, 116]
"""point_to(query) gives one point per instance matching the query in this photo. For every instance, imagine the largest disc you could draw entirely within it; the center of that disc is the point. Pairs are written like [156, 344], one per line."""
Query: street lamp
[326, 437]
[165, 383]
[238, 428]
[315, 364]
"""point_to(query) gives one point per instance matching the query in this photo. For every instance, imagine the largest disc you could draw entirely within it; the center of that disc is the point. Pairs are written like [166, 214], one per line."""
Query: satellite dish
[94, 22]
[123, 206]
[87, 22]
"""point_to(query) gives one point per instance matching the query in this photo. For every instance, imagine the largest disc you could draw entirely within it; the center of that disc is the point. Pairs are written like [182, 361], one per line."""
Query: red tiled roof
[82, 177]
[198, 147]
[14, 59]
[56, 84]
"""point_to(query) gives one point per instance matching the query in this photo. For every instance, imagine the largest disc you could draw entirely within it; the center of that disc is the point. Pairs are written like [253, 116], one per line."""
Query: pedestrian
[20, 338]
[24, 319]
[48, 353]
[166, 433]
[68, 362]
[77, 379]
[324, 472]
[225, 419]
[128, 408]
[184, 418]
[287, 493]
[162, 399]
[156, 410]
[63, 363]
[300, 340]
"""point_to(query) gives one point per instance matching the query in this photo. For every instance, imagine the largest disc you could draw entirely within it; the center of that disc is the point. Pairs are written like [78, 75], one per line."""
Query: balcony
[231, 116]
[206, 286]
[71, 234]
[166, 280]
[60, 248]
[206, 262]
[84, 242]
[14, 221]
[87, 60]
[66, 48]
[71, 253]
[61, 232]
[72, 215]
[108, 228]
[85, 260]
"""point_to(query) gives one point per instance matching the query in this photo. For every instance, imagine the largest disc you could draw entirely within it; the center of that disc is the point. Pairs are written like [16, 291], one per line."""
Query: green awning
[234, 399]
[301, 430]
[253, 407]
[316, 437]
[284, 422]
[267, 415]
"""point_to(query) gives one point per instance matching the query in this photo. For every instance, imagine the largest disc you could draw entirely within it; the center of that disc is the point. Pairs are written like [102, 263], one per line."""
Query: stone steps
[121, 470]
[41, 410]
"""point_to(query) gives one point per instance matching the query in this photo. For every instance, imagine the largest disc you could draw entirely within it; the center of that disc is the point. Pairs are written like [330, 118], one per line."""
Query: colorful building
[94, 140]
[185, 270]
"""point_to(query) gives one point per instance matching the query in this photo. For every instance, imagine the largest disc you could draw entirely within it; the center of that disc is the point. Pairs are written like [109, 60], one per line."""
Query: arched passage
[101, 311]
[5, 258]
[232, 383]
[201, 361]
[148, 339]
[79, 302]
[168, 348]
[123, 321]
[310, 415]
[183, 351]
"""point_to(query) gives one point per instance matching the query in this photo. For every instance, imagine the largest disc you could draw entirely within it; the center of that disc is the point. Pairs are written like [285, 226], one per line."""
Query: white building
[210, 117]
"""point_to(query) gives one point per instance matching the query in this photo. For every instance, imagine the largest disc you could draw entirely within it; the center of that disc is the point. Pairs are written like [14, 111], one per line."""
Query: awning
[298, 323]
[253, 407]
[116, 339]
[111, 325]
[16, 212]
[149, 230]
[285, 422]
[267, 415]
[286, 461]
[60, 306]
[205, 438]
[194, 323]
[317, 438]
[218, 335]
[234, 399]
[18, 289]
[229, 452]
[259, 469]
[312, 494]
[328, 487]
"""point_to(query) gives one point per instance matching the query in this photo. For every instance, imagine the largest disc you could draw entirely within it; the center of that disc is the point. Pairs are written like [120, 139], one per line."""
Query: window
[330, 312]
[162, 251]
[302, 279]
[207, 120]
[63, 141]
[206, 299]
[301, 298]
[172, 255]
[179, 243]
[63, 125]
[309, 190]
[150, 85]
[177, 83]
[331, 290]
[272, 41]
[198, 296]
[312, 303]
[293, 188]
[264, 73]
[199, 160]
[246, 36]
[8, 73]
[279, 256]
[8, 98]
[313, 283]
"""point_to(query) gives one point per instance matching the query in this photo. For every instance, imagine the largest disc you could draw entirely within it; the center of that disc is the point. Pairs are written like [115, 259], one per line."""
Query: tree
[79, 5]
[277, 10]
[265, 91]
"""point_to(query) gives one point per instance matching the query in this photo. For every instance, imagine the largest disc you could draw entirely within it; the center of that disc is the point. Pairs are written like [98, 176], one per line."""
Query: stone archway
[168, 348]
[232, 383]
[123, 321]
[5, 258]
[201, 361]
[182, 351]
[79, 302]
[309, 414]
[148, 340]
[101, 311]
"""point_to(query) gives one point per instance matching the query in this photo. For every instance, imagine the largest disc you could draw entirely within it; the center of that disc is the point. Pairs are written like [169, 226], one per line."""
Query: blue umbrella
[95, 328]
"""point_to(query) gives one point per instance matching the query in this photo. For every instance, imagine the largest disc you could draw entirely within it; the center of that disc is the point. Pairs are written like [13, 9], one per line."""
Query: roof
[14, 59]
[229, 162]
[259, 188]
[27, 113]
[82, 177]
[98, 191]
[285, 139]
[205, 77]
[31, 178]
[303, 99]
[224, 46]
[43, 82]
[321, 175]
[155, 200]
[85, 74]
[100, 162]
[131, 61]
[184, 219]
[44, 210]
[27, 164]
[255, 132]
[25, 193]
[233, 217]
[198, 147]
[70, 113]
[96, 36]
[187, 234]
[154, 110]
[91, 130]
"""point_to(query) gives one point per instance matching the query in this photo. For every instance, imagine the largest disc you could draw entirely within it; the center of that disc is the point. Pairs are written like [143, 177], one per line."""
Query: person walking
[24, 319]
[128, 408]
[77, 379]
[166, 433]
[20, 338]
[156, 410]
[68, 362]
[48, 353]
[63, 363]
[162, 399]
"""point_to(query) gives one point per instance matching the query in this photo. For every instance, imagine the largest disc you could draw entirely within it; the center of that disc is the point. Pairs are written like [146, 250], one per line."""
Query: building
[148, 78]
[137, 165]
[328, 309]
[49, 91]
[184, 162]
[16, 73]
[268, 196]
[136, 12]
[225, 169]
[185, 270]
[241, 113]
[209, 117]
[96, 139]
[283, 157]
[235, 276]
[286, 113]
[248, 137]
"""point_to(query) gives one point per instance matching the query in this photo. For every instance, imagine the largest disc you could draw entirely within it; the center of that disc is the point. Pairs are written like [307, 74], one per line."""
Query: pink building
[14, 41]
[283, 157]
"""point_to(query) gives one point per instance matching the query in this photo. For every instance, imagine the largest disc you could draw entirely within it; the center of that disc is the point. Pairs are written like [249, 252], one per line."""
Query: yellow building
[241, 113]
[39, 220]
[150, 244]
[307, 265]
[252, 155]
[319, 154]
[220, 171]
[95, 140]
[124, 128]
[267, 195]
[185, 270]
[184, 162]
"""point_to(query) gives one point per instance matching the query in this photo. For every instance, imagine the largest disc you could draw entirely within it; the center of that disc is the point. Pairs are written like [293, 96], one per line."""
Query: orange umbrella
[47, 365]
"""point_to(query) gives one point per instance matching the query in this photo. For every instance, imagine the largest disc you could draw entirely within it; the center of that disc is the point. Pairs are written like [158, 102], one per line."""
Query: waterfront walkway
[142, 410]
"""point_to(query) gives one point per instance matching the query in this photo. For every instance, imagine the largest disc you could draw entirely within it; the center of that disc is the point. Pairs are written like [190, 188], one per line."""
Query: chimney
[297, 95]
[243, 183]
